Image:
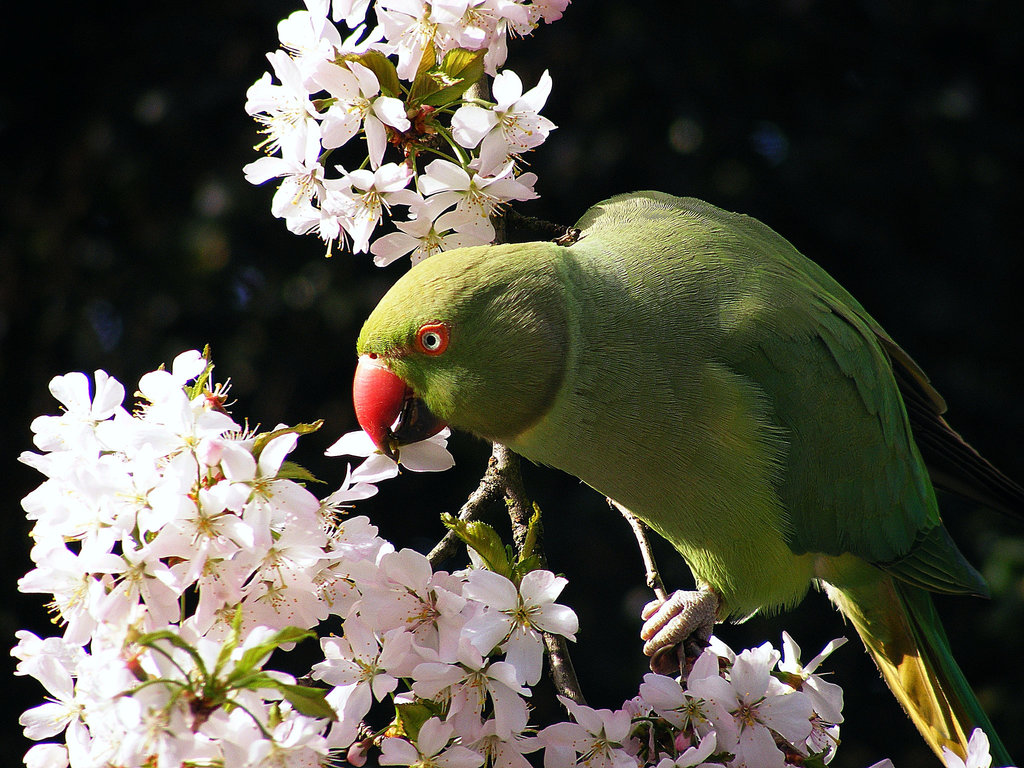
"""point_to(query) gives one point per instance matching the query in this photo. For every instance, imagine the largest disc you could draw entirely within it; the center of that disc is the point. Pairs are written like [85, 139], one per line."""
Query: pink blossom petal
[507, 88]
[471, 123]
[391, 111]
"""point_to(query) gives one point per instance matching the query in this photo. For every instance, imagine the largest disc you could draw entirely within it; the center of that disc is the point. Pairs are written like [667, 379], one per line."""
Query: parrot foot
[677, 630]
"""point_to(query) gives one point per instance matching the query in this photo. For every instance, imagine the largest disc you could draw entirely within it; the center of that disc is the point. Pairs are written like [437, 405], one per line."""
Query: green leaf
[411, 716]
[299, 429]
[534, 529]
[529, 558]
[381, 66]
[256, 655]
[233, 639]
[816, 759]
[423, 83]
[484, 540]
[427, 60]
[457, 73]
[306, 700]
[197, 387]
[291, 471]
[524, 565]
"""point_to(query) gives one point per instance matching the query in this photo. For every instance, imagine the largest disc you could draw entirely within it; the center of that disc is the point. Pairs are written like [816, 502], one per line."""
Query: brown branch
[504, 480]
[520, 511]
[491, 489]
[518, 228]
[520, 508]
[650, 567]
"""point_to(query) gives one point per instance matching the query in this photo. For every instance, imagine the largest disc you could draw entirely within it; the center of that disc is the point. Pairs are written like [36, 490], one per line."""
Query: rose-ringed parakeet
[692, 366]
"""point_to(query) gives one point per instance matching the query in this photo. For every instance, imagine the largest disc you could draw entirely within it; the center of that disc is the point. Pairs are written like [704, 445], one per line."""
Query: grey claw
[686, 618]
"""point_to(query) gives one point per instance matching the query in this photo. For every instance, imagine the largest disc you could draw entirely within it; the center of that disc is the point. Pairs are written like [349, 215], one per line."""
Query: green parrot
[692, 366]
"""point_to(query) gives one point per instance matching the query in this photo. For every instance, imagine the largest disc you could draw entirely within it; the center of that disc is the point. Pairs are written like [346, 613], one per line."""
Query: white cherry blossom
[302, 179]
[758, 706]
[309, 38]
[681, 708]
[694, 757]
[326, 91]
[358, 106]
[477, 195]
[368, 195]
[826, 697]
[468, 685]
[509, 128]
[515, 618]
[977, 753]
[430, 455]
[408, 30]
[429, 231]
[599, 738]
[352, 12]
[430, 748]
[285, 110]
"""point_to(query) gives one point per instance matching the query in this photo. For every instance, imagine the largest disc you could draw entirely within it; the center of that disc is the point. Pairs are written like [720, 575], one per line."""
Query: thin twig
[490, 490]
[524, 229]
[650, 567]
[520, 510]
[504, 480]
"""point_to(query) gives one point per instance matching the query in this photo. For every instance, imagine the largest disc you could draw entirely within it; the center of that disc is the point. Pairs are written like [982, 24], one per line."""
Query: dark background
[882, 138]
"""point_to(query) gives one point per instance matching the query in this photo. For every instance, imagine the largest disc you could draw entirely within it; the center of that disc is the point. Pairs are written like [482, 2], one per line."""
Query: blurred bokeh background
[884, 139]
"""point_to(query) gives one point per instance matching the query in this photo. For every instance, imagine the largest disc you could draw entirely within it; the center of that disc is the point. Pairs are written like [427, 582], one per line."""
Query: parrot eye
[432, 338]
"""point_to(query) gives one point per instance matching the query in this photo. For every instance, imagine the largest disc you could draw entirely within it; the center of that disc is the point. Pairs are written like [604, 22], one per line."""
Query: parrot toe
[676, 630]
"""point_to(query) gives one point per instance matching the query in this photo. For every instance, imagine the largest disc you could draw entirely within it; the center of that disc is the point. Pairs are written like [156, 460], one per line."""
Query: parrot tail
[901, 630]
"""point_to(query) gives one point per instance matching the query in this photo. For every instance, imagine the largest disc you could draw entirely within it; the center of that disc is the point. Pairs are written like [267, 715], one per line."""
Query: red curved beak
[378, 396]
[388, 410]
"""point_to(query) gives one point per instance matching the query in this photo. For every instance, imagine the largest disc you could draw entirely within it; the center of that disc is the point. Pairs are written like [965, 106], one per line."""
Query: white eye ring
[431, 341]
[432, 338]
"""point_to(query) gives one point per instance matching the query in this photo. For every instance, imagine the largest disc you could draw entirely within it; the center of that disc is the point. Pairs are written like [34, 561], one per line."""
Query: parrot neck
[511, 330]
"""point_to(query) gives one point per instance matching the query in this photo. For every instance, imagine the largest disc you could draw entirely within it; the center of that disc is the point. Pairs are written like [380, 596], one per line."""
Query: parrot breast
[646, 417]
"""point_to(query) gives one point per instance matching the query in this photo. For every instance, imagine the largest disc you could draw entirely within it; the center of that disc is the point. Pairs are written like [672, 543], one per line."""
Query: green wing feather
[853, 481]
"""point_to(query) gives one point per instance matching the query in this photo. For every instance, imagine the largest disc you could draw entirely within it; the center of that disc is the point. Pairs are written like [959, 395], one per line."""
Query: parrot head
[474, 338]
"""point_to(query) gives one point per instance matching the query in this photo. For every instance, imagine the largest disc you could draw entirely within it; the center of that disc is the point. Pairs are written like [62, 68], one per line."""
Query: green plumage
[692, 365]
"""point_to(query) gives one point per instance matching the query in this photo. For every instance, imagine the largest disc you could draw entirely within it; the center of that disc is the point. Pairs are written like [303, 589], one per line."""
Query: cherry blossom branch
[503, 479]
[444, 98]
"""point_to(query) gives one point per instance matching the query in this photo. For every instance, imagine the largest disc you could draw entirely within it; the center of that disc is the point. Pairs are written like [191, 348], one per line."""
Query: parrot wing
[850, 404]
[953, 464]
[854, 479]
[855, 482]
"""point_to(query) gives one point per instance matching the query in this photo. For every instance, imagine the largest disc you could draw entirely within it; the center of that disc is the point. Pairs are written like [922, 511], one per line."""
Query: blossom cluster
[180, 551]
[454, 157]
[182, 554]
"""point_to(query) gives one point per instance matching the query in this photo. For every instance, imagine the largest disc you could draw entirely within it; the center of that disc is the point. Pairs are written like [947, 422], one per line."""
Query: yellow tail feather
[900, 629]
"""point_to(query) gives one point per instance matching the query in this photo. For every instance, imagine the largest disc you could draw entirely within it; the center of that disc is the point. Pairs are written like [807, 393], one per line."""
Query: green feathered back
[853, 480]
